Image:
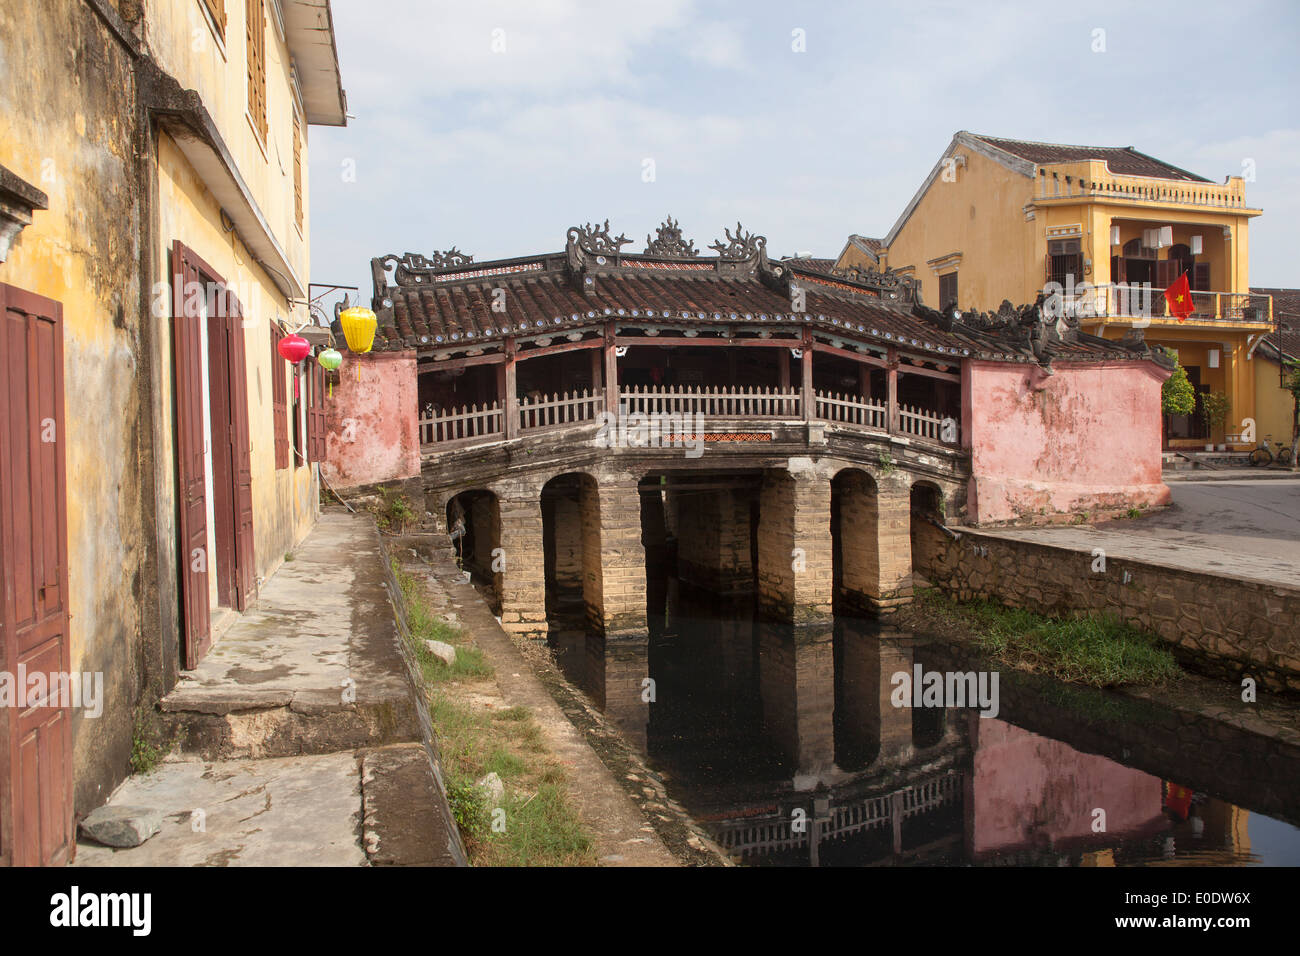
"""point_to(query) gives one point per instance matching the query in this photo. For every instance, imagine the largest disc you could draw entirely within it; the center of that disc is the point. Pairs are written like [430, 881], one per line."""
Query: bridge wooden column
[610, 356]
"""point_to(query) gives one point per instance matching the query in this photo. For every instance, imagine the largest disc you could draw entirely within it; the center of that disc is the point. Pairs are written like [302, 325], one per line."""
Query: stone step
[315, 666]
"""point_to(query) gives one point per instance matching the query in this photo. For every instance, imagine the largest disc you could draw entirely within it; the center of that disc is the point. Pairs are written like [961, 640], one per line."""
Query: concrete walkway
[302, 738]
[1246, 529]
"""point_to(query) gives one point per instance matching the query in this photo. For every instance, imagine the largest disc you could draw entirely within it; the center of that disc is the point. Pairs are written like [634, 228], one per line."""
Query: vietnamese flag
[1179, 297]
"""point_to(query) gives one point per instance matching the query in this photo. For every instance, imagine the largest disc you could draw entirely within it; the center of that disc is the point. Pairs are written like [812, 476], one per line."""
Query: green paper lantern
[330, 359]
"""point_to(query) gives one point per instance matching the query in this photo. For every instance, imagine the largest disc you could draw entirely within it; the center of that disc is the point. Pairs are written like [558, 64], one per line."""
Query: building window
[299, 452]
[947, 290]
[1065, 262]
[279, 403]
[297, 170]
[217, 10]
[256, 21]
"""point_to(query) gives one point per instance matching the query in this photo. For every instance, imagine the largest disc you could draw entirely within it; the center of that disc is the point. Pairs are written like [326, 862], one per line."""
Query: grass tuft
[1100, 651]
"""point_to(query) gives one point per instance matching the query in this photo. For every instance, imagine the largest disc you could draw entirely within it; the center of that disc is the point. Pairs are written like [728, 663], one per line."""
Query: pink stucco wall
[1034, 791]
[1085, 439]
[372, 428]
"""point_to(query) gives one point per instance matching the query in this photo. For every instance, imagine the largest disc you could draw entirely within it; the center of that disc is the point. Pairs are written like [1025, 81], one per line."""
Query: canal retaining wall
[1218, 624]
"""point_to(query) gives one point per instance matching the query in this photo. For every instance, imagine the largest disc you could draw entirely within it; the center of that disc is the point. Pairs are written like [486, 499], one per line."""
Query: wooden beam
[846, 353]
[930, 373]
[543, 351]
[638, 341]
[496, 358]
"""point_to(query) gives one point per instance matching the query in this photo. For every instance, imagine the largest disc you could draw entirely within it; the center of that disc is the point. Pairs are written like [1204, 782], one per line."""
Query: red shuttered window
[279, 400]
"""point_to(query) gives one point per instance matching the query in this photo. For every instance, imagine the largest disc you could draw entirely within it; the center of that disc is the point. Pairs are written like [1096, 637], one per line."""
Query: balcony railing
[471, 424]
[1148, 301]
[1075, 182]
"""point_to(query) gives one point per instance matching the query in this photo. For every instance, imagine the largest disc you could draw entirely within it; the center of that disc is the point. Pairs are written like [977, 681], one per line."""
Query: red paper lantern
[294, 348]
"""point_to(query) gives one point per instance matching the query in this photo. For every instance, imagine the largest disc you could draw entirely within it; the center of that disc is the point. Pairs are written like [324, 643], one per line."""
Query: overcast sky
[499, 151]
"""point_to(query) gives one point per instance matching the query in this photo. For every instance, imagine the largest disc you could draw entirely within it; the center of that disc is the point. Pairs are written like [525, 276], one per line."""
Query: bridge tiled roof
[447, 304]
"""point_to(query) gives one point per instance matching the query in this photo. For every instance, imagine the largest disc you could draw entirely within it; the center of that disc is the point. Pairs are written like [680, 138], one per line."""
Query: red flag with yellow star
[1179, 297]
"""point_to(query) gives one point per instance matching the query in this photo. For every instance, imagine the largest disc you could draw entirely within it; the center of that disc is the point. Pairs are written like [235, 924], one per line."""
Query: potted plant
[1214, 409]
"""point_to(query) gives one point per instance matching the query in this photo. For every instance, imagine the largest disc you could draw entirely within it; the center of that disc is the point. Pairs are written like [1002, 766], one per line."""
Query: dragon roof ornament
[739, 245]
[669, 242]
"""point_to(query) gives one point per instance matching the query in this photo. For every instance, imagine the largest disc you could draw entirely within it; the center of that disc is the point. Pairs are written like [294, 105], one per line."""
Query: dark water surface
[784, 743]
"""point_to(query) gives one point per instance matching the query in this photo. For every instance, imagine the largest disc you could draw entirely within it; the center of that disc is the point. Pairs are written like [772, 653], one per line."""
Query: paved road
[1260, 518]
[1243, 528]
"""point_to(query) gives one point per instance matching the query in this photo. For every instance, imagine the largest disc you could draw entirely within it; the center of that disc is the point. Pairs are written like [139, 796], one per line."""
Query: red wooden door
[35, 734]
[188, 328]
[242, 452]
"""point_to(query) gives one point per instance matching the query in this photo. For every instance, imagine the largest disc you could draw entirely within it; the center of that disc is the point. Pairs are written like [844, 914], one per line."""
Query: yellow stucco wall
[980, 215]
[183, 42]
[102, 251]
[1273, 404]
[81, 252]
[284, 500]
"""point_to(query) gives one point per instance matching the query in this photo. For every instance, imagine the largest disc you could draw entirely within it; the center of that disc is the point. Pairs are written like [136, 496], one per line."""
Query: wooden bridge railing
[471, 423]
[713, 402]
[466, 423]
[852, 410]
[542, 411]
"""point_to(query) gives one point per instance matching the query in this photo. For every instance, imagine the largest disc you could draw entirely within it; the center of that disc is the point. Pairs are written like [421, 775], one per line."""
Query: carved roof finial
[741, 245]
[670, 242]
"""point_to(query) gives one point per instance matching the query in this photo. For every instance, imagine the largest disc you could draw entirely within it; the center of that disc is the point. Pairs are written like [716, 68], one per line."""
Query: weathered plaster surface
[1086, 438]
[371, 421]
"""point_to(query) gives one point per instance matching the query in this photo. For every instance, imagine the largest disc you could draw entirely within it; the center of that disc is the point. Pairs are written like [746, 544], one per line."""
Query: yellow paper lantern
[359, 326]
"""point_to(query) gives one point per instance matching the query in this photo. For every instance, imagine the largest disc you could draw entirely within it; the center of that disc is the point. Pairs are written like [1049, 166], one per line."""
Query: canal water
[787, 745]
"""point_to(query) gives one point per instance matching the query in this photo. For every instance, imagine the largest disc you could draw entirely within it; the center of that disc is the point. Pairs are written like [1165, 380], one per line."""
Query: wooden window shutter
[218, 10]
[297, 169]
[256, 32]
[279, 401]
[316, 415]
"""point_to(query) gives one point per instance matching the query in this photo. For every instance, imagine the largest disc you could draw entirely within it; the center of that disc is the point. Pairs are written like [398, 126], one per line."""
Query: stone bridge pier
[799, 539]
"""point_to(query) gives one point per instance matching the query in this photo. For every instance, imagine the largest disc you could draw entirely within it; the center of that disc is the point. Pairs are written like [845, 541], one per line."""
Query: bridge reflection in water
[782, 741]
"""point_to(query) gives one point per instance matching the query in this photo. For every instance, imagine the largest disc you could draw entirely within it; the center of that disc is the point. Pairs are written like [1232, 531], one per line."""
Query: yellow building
[1274, 403]
[1106, 228]
[154, 223]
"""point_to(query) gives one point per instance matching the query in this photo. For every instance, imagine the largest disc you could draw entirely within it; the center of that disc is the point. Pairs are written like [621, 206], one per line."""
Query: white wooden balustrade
[468, 423]
[846, 409]
[712, 402]
[438, 426]
[549, 411]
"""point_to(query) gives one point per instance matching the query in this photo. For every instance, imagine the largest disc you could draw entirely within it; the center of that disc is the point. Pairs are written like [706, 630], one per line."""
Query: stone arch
[855, 520]
[928, 510]
[473, 521]
[571, 550]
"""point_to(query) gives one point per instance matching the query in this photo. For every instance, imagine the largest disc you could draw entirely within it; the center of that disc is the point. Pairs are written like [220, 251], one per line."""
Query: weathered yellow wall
[1273, 404]
[284, 500]
[184, 44]
[77, 147]
[980, 215]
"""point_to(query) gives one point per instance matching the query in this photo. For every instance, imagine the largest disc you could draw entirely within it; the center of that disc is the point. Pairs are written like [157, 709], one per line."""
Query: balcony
[1133, 301]
[1091, 180]
[683, 408]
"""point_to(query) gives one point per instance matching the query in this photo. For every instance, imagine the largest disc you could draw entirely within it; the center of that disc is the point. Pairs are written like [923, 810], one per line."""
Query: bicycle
[1263, 455]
